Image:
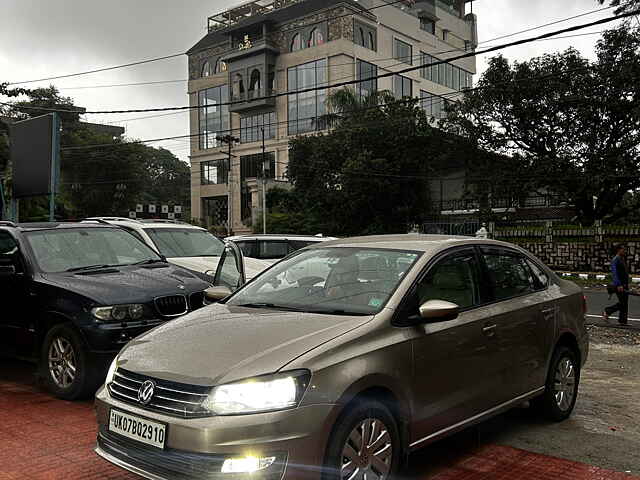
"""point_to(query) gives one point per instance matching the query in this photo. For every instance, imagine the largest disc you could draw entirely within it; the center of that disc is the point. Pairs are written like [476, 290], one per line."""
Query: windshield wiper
[90, 267]
[149, 262]
[273, 306]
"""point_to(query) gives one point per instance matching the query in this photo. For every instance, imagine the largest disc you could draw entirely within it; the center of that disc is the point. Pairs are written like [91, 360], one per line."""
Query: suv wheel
[64, 365]
[561, 392]
[365, 443]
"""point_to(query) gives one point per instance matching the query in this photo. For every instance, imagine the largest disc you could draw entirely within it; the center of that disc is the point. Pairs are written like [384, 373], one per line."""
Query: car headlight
[257, 395]
[112, 371]
[118, 313]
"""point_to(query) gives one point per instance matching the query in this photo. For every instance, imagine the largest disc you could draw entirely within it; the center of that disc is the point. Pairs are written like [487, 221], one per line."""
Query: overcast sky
[44, 38]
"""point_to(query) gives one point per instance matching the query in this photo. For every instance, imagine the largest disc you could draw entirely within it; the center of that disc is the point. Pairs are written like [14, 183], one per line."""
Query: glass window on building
[428, 25]
[448, 82]
[402, 86]
[402, 51]
[251, 165]
[214, 172]
[365, 35]
[214, 210]
[306, 110]
[366, 70]
[433, 105]
[251, 127]
[213, 116]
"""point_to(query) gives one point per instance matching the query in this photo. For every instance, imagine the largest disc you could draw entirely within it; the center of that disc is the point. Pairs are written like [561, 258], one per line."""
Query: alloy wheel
[368, 452]
[62, 362]
[565, 384]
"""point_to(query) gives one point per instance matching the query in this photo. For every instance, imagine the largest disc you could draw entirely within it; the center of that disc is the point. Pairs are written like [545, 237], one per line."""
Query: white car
[185, 245]
[271, 248]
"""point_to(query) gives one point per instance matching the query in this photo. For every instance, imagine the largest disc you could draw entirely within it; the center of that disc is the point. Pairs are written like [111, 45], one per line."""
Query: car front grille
[196, 300]
[172, 306]
[170, 398]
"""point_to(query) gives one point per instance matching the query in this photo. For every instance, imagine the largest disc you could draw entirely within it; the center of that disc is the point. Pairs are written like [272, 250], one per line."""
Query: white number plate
[136, 428]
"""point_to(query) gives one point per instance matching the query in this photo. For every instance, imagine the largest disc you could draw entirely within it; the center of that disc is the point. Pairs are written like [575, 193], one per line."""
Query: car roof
[25, 227]
[132, 223]
[309, 238]
[411, 241]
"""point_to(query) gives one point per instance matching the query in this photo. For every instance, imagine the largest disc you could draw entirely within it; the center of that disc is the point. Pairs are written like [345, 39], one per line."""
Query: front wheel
[365, 444]
[561, 391]
[64, 364]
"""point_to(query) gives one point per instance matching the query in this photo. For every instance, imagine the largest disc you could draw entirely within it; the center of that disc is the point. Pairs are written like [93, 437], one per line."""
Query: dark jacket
[619, 272]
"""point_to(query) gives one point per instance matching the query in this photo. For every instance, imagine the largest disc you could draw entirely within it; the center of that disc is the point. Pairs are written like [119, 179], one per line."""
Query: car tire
[65, 366]
[561, 390]
[381, 454]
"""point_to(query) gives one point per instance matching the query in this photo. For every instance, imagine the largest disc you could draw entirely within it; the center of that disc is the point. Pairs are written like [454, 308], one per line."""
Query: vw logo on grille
[181, 287]
[146, 391]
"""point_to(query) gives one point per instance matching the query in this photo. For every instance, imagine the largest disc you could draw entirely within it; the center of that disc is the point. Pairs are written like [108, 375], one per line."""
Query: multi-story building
[259, 49]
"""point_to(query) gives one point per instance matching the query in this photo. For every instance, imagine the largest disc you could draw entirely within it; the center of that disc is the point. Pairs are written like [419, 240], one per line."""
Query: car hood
[221, 344]
[197, 264]
[124, 285]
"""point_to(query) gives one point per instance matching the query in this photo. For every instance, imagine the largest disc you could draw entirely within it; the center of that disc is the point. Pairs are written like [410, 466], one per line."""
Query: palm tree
[346, 102]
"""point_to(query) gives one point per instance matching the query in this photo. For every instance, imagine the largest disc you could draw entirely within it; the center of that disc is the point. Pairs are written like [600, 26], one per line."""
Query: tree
[623, 6]
[568, 126]
[370, 173]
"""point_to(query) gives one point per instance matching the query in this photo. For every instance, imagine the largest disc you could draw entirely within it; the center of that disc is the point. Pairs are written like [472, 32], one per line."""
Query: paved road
[597, 301]
[47, 439]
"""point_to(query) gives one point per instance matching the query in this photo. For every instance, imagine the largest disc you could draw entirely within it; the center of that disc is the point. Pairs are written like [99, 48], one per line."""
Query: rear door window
[509, 274]
[248, 248]
[272, 250]
[299, 244]
[539, 274]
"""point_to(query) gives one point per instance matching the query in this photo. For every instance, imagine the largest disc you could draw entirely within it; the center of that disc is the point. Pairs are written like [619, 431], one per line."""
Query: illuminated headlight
[262, 394]
[118, 313]
[247, 464]
[111, 372]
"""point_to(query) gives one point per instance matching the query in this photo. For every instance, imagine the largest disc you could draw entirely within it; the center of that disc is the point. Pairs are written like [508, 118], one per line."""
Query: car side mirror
[439, 311]
[7, 271]
[215, 294]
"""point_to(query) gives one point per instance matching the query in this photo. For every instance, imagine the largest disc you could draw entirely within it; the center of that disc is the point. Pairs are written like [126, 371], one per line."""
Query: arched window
[254, 83]
[221, 66]
[372, 41]
[206, 69]
[315, 38]
[296, 43]
[238, 85]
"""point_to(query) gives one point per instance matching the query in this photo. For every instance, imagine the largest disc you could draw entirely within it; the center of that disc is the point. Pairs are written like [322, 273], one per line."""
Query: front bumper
[196, 448]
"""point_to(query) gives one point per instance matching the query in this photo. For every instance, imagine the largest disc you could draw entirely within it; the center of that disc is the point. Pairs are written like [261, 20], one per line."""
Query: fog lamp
[247, 464]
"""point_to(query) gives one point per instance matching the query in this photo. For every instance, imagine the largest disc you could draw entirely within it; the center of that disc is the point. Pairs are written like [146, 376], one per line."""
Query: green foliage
[564, 124]
[100, 175]
[368, 175]
[623, 6]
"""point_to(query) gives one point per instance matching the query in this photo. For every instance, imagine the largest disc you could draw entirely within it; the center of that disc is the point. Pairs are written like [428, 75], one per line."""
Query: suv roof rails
[162, 220]
[6, 223]
[110, 219]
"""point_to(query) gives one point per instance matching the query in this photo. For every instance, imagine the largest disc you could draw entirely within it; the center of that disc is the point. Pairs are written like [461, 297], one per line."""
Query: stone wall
[582, 256]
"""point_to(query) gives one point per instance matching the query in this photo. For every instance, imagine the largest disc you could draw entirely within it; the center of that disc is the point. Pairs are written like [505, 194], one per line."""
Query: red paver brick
[42, 438]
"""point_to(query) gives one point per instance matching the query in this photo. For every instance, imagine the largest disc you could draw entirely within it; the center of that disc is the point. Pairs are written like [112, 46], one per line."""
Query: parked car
[75, 293]
[271, 248]
[405, 340]
[185, 245]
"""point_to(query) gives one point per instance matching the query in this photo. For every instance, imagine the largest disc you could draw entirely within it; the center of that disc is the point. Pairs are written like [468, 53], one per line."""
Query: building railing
[251, 95]
[542, 201]
[246, 10]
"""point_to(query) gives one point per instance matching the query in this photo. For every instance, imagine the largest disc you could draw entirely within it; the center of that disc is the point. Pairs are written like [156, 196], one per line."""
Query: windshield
[330, 280]
[77, 248]
[185, 242]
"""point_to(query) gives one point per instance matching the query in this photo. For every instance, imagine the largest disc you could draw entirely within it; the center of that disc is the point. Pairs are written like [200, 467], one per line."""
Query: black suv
[74, 293]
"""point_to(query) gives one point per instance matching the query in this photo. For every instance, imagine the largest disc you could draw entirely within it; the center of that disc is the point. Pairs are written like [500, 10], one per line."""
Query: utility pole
[230, 140]
[264, 186]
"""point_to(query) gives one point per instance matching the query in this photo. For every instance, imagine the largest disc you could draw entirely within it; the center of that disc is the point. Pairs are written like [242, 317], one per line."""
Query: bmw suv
[75, 294]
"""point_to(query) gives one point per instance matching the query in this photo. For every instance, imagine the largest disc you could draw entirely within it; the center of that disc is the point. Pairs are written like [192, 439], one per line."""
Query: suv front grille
[172, 306]
[196, 300]
[170, 398]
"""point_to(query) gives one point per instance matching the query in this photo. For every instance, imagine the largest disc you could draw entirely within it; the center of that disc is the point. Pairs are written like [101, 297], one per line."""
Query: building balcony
[252, 100]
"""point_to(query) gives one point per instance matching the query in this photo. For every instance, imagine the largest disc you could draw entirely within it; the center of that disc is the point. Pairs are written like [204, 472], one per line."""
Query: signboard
[177, 209]
[139, 208]
[132, 215]
[35, 146]
[152, 209]
[165, 208]
[172, 216]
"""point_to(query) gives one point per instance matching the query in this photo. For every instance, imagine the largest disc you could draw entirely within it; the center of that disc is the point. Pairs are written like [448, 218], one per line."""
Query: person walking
[620, 275]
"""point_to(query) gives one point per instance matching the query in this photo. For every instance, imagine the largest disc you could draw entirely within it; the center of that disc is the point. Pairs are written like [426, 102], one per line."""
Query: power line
[352, 82]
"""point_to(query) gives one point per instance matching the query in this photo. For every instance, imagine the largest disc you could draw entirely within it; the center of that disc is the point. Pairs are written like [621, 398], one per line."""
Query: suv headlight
[118, 313]
[257, 395]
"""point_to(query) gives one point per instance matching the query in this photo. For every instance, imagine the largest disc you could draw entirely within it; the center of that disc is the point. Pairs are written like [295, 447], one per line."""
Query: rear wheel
[365, 444]
[65, 366]
[561, 391]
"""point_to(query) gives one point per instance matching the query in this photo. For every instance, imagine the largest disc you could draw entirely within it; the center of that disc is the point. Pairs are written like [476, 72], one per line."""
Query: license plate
[137, 428]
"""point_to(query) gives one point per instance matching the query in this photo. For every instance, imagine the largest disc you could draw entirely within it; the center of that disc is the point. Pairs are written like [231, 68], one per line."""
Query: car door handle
[489, 330]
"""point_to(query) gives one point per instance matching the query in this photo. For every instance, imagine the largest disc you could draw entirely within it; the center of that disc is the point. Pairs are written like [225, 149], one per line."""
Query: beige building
[266, 47]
